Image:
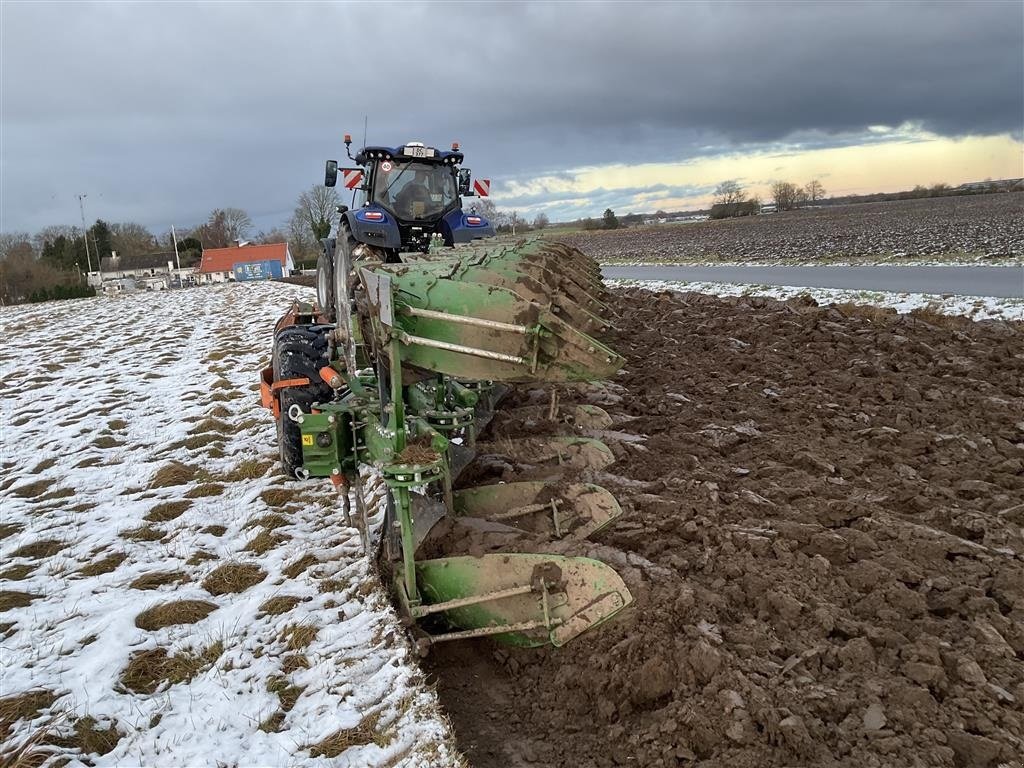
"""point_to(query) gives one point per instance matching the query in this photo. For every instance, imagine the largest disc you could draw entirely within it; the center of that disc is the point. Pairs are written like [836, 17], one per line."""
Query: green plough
[406, 381]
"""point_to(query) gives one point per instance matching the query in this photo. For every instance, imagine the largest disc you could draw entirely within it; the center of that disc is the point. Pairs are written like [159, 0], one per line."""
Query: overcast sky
[162, 111]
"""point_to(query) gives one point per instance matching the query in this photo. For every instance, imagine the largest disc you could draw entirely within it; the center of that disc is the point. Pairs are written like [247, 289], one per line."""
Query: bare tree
[541, 221]
[786, 195]
[51, 233]
[130, 239]
[238, 223]
[301, 242]
[814, 190]
[318, 206]
[729, 192]
[16, 243]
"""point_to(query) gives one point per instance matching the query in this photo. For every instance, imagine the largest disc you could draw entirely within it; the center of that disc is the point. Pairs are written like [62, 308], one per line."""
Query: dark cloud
[163, 111]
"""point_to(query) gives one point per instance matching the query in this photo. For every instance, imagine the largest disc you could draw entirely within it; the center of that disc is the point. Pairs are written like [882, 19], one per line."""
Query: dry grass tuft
[59, 493]
[264, 542]
[248, 469]
[233, 577]
[39, 549]
[931, 315]
[168, 510]
[17, 572]
[23, 706]
[299, 636]
[148, 670]
[275, 606]
[345, 738]
[90, 740]
[32, 489]
[200, 557]
[43, 465]
[8, 529]
[212, 425]
[159, 579]
[142, 533]
[172, 473]
[271, 522]
[273, 723]
[106, 565]
[296, 567]
[293, 662]
[215, 530]
[327, 586]
[106, 441]
[277, 497]
[10, 599]
[117, 424]
[206, 489]
[177, 612]
[219, 412]
[221, 383]
[92, 461]
[202, 440]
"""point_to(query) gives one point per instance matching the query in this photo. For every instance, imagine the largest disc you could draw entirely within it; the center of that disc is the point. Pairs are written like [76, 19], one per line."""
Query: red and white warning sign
[352, 178]
[482, 187]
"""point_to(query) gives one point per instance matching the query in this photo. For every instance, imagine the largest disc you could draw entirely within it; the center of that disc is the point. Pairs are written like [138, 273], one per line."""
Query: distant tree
[939, 189]
[238, 223]
[786, 195]
[729, 192]
[51, 233]
[318, 205]
[101, 237]
[610, 222]
[814, 190]
[276, 235]
[660, 214]
[17, 244]
[304, 248]
[223, 227]
[190, 251]
[131, 239]
[589, 223]
[540, 221]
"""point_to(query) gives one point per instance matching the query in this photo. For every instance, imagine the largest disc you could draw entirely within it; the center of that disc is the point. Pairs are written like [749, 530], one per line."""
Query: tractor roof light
[455, 146]
[348, 138]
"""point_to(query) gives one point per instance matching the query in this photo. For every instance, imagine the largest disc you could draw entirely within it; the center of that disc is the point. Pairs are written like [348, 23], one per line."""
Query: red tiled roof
[223, 259]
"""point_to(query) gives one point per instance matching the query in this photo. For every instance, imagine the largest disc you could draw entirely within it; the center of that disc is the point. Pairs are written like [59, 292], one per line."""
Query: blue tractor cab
[403, 199]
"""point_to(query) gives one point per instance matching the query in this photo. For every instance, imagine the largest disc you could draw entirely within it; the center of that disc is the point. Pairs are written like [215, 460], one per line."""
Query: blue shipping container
[257, 270]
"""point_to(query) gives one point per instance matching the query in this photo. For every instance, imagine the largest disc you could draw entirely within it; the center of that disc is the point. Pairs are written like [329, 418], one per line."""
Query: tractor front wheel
[300, 351]
[325, 281]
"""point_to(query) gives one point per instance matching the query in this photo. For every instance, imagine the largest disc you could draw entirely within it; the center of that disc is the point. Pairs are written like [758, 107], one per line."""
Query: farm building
[240, 262]
[150, 271]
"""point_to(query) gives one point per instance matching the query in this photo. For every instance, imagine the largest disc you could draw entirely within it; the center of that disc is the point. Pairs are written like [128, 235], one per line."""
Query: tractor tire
[300, 351]
[325, 285]
[341, 268]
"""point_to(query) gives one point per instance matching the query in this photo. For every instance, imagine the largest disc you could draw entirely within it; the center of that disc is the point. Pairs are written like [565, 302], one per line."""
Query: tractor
[404, 199]
[397, 369]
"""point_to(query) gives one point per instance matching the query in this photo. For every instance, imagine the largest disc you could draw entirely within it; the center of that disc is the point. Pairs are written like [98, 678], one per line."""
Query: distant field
[987, 229]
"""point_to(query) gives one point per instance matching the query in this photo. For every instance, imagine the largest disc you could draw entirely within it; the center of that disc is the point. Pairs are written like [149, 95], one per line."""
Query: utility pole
[85, 234]
[177, 260]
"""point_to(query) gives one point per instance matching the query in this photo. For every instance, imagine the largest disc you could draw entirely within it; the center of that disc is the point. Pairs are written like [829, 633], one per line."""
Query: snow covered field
[975, 307]
[167, 597]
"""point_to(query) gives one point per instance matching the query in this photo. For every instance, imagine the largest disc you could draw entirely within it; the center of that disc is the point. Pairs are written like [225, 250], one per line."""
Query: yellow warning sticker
[307, 439]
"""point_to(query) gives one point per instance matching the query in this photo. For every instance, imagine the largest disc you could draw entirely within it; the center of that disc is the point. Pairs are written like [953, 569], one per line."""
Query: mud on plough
[406, 380]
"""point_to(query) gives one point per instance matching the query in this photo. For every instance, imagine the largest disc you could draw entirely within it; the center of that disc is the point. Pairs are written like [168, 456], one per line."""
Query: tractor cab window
[414, 190]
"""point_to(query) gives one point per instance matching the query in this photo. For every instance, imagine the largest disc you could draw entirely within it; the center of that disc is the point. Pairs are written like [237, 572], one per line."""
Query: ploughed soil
[983, 226]
[824, 536]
